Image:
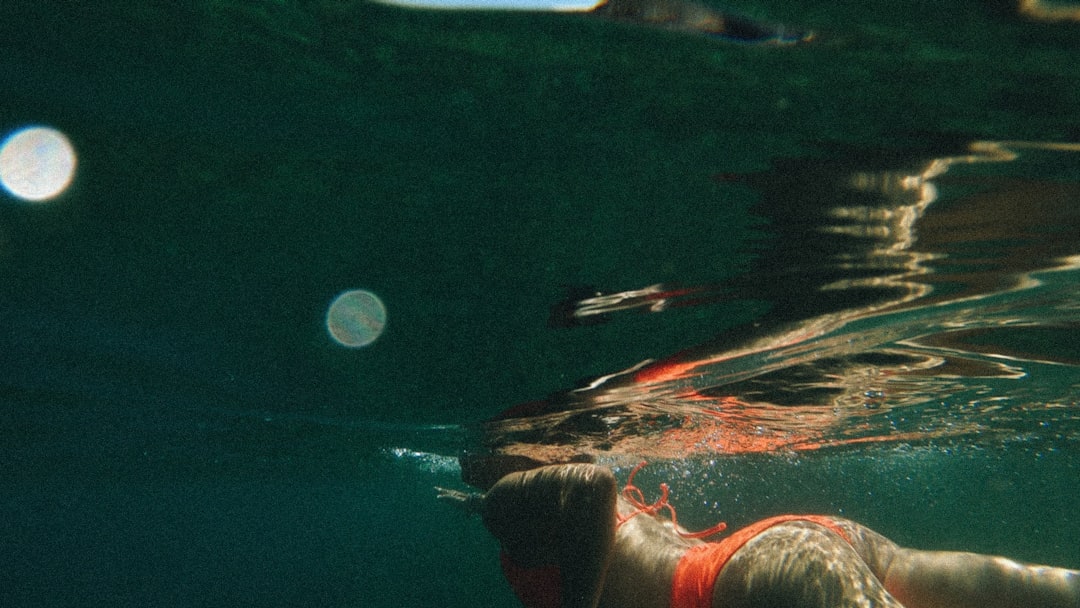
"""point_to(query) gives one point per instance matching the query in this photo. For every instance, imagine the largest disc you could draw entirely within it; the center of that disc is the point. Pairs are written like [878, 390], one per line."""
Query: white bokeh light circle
[36, 163]
[356, 318]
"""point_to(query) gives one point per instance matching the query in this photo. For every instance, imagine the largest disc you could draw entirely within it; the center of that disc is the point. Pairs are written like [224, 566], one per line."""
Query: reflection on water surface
[919, 297]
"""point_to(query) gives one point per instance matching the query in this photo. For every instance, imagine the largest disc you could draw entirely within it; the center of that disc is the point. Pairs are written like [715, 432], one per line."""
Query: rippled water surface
[935, 305]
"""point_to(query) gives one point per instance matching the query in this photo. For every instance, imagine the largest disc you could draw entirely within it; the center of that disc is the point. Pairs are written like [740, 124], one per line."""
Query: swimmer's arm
[472, 503]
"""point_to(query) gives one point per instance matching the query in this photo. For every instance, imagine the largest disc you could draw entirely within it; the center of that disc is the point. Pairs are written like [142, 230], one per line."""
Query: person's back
[645, 555]
[570, 539]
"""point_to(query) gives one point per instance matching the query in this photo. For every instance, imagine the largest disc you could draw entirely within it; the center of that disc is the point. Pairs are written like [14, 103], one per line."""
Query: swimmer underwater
[571, 539]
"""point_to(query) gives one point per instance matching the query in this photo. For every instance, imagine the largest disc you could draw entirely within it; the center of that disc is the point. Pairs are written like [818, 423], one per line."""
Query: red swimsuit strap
[636, 498]
[696, 572]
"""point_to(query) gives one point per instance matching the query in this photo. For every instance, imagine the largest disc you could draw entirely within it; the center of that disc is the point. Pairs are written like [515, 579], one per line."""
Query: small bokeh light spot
[36, 163]
[356, 318]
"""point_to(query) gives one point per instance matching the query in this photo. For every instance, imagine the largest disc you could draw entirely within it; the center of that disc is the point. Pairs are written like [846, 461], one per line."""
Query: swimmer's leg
[932, 579]
[803, 565]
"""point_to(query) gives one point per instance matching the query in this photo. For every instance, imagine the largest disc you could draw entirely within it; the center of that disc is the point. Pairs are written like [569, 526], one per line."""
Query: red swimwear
[696, 572]
[539, 587]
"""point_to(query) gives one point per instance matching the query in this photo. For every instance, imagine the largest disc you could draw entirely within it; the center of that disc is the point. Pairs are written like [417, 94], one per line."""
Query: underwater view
[273, 271]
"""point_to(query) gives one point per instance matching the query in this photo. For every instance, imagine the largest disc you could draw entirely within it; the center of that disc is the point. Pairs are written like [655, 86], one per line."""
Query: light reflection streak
[676, 15]
[1048, 11]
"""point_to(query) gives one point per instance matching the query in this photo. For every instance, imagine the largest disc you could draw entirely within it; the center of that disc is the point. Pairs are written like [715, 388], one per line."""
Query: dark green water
[178, 429]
